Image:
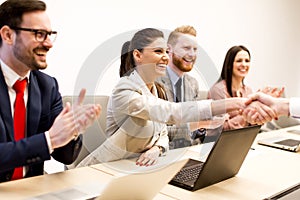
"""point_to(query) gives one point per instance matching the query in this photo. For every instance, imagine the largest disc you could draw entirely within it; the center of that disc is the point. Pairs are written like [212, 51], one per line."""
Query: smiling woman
[143, 59]
[231, 83]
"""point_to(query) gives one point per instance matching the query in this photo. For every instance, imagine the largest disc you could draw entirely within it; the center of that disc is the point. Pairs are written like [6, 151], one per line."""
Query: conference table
[265, 172]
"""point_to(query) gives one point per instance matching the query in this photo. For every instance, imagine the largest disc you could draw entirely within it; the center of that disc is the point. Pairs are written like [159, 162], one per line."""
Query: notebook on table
[284, 143]
[224, 160]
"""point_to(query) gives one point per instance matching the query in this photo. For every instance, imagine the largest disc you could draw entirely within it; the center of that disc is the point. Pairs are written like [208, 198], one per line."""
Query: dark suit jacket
[43, 106]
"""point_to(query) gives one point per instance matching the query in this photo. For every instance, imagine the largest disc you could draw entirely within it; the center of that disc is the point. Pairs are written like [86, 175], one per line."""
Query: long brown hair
[227, 69]
[140, 40]
[160, 91]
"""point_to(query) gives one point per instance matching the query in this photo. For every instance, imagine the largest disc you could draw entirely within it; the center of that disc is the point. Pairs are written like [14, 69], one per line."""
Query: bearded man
[181, 87]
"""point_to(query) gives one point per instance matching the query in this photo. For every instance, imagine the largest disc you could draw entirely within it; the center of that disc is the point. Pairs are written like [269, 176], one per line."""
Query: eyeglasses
[40, 34]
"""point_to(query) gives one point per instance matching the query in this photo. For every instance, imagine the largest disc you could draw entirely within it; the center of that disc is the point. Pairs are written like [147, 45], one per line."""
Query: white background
[270, 29]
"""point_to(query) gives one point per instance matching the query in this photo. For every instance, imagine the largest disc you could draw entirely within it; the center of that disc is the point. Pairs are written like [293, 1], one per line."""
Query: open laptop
[281, 142]
[144, 184]
[223, 162]
[141, 185]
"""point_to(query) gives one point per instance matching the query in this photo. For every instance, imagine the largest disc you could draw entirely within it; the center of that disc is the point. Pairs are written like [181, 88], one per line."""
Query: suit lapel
[5, 109]
[187, 88]
[166, 81]
[33, 105]
[189, 93]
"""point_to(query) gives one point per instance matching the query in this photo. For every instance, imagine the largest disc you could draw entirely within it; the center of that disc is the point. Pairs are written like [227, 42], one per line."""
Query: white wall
[269, 28]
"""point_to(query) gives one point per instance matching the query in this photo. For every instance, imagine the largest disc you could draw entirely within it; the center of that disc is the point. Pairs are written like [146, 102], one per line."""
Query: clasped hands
[72, 121]
[261, 108]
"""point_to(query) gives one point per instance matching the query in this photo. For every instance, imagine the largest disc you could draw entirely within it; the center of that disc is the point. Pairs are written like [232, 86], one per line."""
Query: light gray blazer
[136, 120]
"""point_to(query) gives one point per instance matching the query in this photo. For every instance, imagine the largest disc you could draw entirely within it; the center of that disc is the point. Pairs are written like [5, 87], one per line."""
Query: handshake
[261, 108]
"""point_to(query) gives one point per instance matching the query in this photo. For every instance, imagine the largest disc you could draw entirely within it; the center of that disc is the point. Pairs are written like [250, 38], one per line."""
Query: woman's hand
[149, 157]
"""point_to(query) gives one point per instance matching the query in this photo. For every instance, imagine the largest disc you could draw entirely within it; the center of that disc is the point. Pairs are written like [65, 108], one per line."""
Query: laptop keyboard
[188, 173]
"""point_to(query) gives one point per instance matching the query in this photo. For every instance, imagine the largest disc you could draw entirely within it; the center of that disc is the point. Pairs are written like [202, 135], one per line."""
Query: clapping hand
[273, 91]
[73, 121]
[84, 115]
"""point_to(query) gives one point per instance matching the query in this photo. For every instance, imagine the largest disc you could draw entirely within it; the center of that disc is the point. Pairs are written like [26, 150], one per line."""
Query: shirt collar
[10, 75]
[173, 76]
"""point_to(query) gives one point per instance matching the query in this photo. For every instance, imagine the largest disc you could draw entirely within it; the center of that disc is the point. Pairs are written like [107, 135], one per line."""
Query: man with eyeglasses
[40, 34]
[33, 123]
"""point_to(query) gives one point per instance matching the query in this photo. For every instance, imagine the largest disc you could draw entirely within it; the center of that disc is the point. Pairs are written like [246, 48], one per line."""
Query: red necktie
[19, 119]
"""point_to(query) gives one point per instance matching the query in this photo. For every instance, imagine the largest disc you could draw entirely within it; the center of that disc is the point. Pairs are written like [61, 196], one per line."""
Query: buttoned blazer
[43, 106]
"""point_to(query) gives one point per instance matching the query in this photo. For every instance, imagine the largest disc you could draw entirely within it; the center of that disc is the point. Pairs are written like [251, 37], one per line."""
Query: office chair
[95, 135]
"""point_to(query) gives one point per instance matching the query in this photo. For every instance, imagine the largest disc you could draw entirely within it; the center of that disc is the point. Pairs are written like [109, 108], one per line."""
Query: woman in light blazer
[137, 114]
